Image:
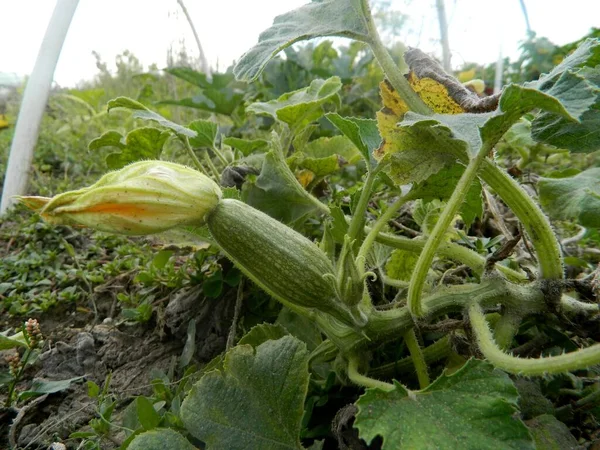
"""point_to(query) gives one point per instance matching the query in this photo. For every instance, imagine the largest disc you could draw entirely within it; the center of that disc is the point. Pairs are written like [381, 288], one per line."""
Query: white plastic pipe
[34, 102]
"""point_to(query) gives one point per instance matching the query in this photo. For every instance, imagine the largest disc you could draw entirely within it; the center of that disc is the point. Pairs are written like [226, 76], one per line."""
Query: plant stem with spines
[566, 362]
[437, 235]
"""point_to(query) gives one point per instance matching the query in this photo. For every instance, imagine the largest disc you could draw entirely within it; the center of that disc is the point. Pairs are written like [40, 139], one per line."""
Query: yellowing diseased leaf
[305, 177]
[435, 95]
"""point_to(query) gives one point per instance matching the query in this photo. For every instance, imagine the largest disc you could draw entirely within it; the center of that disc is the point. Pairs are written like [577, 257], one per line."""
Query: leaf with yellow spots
[434, 94]
[305, 177]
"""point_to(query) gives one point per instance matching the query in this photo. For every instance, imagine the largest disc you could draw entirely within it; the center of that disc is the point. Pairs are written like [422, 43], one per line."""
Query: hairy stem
[196, 161]
[377, 226]
[531, 216]
[393, 74]
[448, 250]
[437, 235]
[363, 380]
[417, 357]
[436, 351]
[576, 360]
[358, 218]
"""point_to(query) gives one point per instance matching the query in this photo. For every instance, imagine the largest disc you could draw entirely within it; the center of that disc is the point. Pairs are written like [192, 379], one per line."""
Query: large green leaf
[206, 133]
[160, 439]
[441, 186]
[575, 197]
[141, 112]
[576, 83]
[221, 94]
[551, 434]
[318, 18]
[246, 146]
[299, 108]
[277, 192]
[256, 401]
[362, 132]
[472, 409]
[139, 144]
[421, 149]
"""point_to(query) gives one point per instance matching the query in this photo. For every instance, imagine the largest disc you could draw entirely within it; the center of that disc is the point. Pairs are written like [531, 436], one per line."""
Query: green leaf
[277, 192]
[141, 112]
[441, 186]
[141, 143]
[575, 82]
[587, 54]
[41, 387]
[206, 133]
[300, 327]
[401, 264]
[301, 107]
[213, 285]
[190, 345]
[14, 341]
[325, 147]
[109, 139]
[93, 389]
[262, 333]
[472, 409]
[551, 434]
[160, 439]
[161, 259]
[147, 415]
[575, 197]
[246, 146]
[420, 150]
[319, 18]
[257, 401]
[219, 95]
[362, 132]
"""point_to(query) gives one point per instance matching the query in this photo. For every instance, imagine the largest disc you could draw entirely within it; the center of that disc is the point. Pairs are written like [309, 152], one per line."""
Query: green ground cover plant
[427, 300]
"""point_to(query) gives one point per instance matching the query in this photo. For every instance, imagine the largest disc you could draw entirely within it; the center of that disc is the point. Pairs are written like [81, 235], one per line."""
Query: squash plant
[431, 144]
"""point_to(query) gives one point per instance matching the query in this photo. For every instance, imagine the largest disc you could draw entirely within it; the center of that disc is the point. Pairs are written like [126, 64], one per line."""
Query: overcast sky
[478, 29]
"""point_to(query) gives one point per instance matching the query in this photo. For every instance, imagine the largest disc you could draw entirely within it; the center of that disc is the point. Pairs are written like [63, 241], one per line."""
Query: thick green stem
[437, 235]
[569, 304]
[219, 155]
[410, 338]
[576, 360]
[377, 226]
[393, 74]
[384, 326]
[190, 150]
[436, 351]
[358, 218]
[448, 250]
[363, 380]
[531, 216]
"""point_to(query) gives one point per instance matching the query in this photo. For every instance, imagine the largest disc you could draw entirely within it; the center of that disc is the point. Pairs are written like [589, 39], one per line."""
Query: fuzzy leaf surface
[141, 112]
[256, 401]
[472, 409]
[160, 439]
[319, 18]
[575, 197]
[277, 192]
[206, 133]
[362, 132]
[139, 144]
[299, 108]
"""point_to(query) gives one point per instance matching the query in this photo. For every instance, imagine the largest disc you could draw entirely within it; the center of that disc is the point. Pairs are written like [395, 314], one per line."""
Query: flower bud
[143, 198]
